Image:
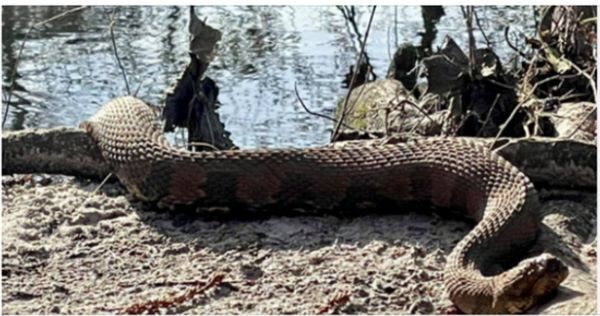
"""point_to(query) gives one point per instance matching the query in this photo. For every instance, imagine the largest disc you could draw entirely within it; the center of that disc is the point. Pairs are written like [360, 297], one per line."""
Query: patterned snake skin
[482, 274]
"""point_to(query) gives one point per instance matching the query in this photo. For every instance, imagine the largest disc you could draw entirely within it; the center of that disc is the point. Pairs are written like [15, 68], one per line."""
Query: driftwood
[61, 150]
[548, 162]
[552, 162]
[69, 151]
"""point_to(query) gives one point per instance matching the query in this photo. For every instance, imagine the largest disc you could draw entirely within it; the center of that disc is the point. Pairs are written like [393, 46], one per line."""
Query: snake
[484, 273]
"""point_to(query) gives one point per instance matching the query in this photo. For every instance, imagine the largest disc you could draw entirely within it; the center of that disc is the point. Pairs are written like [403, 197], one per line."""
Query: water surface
[68, 68]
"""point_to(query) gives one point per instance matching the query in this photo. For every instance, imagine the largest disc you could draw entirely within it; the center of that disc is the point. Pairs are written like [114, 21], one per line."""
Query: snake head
[90, 125]
[86, 126]
[529, 282]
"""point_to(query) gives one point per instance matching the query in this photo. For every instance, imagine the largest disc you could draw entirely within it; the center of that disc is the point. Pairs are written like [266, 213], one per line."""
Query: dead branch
[13, 75]
[425, 114]
[114, 44]
[505, 124]
[336, 130]
[412, 130]
[52, 151]
[311, 112]
[152, 307]
[468, 15]
[137, 90]
[336, 302]
[586, 75]
[526, 94]
[202, 144]
[349, 13]
[98, 187]
[487, 41]
[511, 45]
[487, 117]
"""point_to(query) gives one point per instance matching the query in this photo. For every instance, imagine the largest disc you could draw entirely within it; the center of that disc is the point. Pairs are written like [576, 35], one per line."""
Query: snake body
[482, 274]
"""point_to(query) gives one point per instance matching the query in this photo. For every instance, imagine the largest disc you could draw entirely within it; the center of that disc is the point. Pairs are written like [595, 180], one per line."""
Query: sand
[66, 250]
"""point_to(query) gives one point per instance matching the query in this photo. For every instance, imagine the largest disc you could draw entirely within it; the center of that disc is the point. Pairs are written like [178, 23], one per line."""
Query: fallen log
[61, 150]
[550, 162]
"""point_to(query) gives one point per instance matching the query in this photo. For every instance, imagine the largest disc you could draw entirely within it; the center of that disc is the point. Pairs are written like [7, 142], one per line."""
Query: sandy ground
[66, 250]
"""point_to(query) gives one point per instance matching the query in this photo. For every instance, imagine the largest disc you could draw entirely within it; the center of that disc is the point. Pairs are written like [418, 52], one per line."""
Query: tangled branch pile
[551, 93]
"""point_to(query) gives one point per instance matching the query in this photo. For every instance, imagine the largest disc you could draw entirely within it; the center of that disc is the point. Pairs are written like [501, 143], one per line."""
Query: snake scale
[482, 274]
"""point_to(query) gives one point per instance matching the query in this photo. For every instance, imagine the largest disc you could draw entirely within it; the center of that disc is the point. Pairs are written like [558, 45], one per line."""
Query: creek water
[67, 69]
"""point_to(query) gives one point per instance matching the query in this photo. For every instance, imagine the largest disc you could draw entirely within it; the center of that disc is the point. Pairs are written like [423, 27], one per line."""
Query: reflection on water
[68, 70]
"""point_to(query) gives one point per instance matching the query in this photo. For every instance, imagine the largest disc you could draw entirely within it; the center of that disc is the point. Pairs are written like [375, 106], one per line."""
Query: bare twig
[569, 96]
[112, 38]
[152, 307]
[425, 114]
[202, 144]
[487, 41]
[487, 118]
[468, 15]
[335, 134]
[386, 122]
[586, 75]
[464, 120]
[546, 80]
[96, 189]
[389, 50]
[13, 76]
[511, 45]
[396, 26]
[349, 13]
[523, 100]
[60, 15]
[337, 301]
[401, 104]
[412, 130]
[15, 66]
[505, 124]
[311, 112]
[102, 183]
[499, 84]
[138, 87]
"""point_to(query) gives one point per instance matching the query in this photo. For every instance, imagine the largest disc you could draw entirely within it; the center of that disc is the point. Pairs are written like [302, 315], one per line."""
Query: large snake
[482, 274]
